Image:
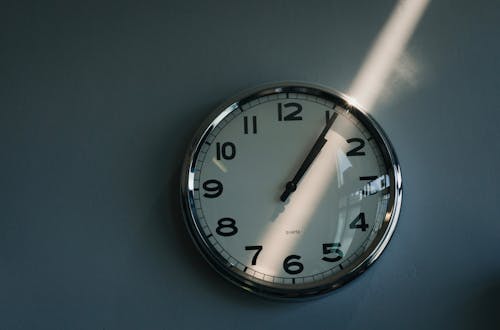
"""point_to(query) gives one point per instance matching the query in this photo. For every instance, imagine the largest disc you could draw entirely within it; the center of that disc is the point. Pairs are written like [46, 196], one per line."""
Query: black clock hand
[291, 186]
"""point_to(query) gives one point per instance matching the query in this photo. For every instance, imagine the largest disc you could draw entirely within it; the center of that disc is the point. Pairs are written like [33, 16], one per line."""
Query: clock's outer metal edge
[292, 292]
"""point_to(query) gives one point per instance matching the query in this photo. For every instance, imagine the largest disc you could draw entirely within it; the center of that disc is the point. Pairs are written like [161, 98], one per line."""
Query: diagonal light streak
[365, 89]
[388, 47]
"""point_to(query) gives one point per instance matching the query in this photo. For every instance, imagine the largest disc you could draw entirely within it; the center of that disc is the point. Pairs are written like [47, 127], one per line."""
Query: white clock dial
[291, 191]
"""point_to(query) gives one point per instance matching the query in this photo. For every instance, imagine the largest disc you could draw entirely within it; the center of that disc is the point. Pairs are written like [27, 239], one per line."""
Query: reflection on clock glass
[289, 188]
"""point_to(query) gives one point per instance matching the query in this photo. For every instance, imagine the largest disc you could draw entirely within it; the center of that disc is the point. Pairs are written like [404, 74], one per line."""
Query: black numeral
[362, 222]
[254, 247]
[213, 187]
[227, 150]
[293, 267]
[226, 227]
[292, 115]
[254, 124]
[332, 248]
[356, 150]
[328, 115]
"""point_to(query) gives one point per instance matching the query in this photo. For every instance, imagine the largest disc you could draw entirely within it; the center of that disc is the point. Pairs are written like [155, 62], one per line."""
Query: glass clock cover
[290, 190]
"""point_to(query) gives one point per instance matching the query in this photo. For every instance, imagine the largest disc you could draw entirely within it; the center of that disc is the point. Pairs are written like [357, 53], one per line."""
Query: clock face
[291, 191]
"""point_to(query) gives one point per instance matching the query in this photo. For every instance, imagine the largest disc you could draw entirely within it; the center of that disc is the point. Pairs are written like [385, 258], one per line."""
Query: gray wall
[98, 102]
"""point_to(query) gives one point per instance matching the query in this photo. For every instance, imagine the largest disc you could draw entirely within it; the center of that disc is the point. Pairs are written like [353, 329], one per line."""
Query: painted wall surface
[98, 102]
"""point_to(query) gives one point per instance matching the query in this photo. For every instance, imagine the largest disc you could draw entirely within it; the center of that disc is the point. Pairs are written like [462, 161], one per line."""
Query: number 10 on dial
[290, 191]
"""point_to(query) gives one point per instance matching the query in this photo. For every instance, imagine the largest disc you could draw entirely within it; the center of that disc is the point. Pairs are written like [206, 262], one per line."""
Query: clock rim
[310, 289]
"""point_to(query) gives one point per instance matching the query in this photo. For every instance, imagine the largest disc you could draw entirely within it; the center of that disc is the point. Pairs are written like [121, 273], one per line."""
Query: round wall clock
[291, 190]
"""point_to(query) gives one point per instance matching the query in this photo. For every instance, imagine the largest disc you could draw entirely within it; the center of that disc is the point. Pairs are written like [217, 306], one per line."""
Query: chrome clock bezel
[293, 291]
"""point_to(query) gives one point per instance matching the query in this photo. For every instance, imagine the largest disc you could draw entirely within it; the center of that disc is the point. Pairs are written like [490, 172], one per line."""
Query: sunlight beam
[388, 47]
[365, 90]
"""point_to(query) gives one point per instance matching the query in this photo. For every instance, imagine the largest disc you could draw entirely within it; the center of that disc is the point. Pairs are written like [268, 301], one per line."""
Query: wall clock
[290, 190]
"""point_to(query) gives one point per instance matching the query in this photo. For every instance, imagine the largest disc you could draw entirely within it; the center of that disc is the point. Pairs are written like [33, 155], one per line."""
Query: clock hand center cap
[291, 186]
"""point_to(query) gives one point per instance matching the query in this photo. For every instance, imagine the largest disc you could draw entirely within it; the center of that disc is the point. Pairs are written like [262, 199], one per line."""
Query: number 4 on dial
[362, 223]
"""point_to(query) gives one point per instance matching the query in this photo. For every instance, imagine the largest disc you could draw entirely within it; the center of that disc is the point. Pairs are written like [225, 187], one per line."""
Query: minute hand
[291, 186]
